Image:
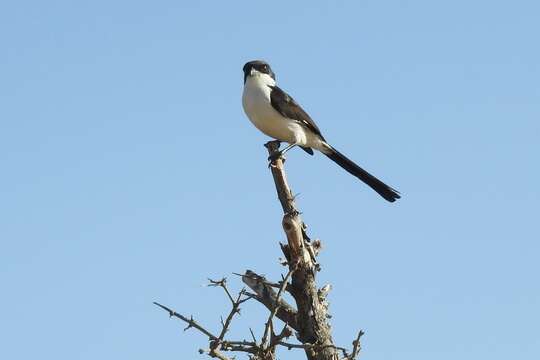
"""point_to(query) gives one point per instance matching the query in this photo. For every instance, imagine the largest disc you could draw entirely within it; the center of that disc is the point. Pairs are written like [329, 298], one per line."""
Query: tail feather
[381, 188]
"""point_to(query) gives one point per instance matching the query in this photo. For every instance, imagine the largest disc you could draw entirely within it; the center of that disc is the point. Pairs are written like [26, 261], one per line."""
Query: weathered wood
[266, 295]
[311, 319]
[285, 195]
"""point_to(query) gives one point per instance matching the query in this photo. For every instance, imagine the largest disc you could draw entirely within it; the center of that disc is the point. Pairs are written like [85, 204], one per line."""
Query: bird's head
[258, 68]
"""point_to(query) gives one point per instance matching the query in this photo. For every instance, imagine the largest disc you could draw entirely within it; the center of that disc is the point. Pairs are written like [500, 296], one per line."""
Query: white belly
[256, 103]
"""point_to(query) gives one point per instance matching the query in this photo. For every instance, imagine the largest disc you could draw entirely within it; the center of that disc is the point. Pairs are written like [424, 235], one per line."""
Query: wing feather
[287, 107]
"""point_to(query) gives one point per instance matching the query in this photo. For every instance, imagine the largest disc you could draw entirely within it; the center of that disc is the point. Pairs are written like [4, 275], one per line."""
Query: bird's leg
[280, 153]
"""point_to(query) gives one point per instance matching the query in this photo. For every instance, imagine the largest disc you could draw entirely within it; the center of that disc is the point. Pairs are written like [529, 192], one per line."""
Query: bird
[276, 114]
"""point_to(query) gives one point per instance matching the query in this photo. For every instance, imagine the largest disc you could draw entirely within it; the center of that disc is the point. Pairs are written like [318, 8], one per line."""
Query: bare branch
[294, 346]
[266, 295]
[284, 192]
[235, 309]
[309, 318]
[285, 333]
[356, 347]
[242, 343]
[223, 284]
[191, 323]
[311, 314]
[214, 353]
[276, 304]
[259, 279]
[253, 336]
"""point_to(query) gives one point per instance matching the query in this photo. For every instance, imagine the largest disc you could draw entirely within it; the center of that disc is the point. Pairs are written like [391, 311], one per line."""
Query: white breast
[256, 103]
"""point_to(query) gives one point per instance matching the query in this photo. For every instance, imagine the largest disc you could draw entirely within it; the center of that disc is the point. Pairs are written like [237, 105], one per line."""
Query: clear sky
[130, 174]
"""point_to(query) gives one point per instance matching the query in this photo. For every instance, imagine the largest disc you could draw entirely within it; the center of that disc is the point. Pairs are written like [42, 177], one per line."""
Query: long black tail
[384, 190]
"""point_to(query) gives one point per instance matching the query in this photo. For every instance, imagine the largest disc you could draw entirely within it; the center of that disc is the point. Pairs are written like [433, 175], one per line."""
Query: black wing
[287, 107]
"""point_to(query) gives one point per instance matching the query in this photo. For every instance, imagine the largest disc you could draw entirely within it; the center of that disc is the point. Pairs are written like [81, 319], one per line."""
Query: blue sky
[130, 173]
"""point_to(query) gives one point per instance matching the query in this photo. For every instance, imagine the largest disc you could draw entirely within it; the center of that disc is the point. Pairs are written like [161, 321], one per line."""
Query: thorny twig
[356, 347]
[253, 336]
[215, 342]
[265, 294]
[191, 323]
[218, 343]
[285, 333]
[235, 304]
[235, 309]
[223, 284]
[276, 304]
[214, 353]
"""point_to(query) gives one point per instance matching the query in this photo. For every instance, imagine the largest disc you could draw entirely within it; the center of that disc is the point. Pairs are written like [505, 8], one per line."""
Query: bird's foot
[277, 155]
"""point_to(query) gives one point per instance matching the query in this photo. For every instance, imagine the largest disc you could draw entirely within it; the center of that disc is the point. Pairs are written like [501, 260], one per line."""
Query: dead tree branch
[310, 317]
[356, 347]
[218, 342]
[190, 321]
[234, 303]
[265, 294]
[268, 326]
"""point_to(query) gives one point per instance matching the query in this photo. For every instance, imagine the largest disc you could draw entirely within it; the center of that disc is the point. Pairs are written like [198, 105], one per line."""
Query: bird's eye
[265, 67]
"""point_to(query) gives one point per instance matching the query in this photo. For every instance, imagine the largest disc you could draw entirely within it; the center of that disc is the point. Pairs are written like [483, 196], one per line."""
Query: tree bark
[308, 321]
[312, 317]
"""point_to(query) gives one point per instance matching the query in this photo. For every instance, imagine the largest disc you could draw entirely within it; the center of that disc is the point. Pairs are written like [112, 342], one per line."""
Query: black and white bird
[277, 115]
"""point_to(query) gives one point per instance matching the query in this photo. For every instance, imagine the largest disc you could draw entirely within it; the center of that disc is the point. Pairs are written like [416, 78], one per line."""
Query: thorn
[253, 336]
[190, 323]
[283, 262]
